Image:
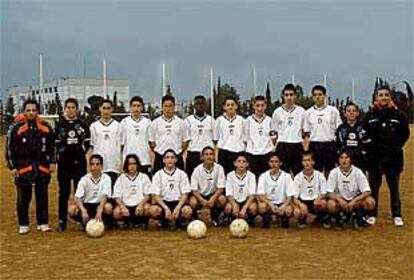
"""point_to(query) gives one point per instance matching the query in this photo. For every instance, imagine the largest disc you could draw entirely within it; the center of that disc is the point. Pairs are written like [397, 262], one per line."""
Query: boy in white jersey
[241, 191]
[91, 195]
[168, 132]
[131, 194]
[105, 140]
[134, 135]
[207, 184]
[200, 133]
[229, 134]
[321, 123]
[272, 191]
[289, 120]
[260, 137]
[349, 192]
[308, 192]
[170, 189]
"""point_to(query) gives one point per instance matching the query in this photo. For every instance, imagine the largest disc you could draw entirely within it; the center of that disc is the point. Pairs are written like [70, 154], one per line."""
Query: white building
[80, 89]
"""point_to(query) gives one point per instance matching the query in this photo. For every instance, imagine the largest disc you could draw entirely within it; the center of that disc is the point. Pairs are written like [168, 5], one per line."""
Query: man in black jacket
[30, 157]
[387, 131]
[72, 141]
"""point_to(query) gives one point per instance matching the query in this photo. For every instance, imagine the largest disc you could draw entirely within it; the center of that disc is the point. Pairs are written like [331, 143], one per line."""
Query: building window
[45, 90]
[55, 89]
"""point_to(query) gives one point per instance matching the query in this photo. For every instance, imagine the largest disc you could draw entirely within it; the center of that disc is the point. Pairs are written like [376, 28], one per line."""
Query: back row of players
[242, 144]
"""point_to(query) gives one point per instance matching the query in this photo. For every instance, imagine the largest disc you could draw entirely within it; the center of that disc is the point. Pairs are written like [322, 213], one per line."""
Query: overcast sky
[344, 39]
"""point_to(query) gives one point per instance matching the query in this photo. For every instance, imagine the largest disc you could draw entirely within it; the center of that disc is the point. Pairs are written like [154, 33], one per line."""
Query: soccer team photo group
[294, 169]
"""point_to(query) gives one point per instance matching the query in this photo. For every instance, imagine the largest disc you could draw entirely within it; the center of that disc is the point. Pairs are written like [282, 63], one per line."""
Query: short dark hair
[230, 97]
[307, 154]
[33, 102]
[127, 158]
[289, 87]
[382, 87]
[274, 154]
[345, 150]
[319, 87]
[207, 148]
[201, 97]
[259, 98]
[242, 154]
[73, 101]
[136, 99]
[108, 101]
[169, 151]
[351, 104]
[167, 98]
[96, 156]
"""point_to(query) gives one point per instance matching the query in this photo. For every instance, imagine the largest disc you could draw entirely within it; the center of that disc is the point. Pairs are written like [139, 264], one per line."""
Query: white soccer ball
[95, 228]
[239, 228]
[196, 229]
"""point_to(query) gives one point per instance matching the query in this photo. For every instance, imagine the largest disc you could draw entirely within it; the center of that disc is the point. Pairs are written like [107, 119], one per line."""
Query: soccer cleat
[267, 219]
[285, 222]
[326, 222]
[398, 222]
[338, 224]
[371, 221]
[302, 224]
[358, 222]
[43, 228]
[24, 230]
[62, 226]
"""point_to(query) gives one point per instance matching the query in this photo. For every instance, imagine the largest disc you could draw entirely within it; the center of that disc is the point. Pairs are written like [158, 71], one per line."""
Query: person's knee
[117, 213]
[297, 213]
[368, 203]
[107, 209]
[332, 206]
[73, 210]
[252, 210]
[262, 208]
[155, 211]
[221, 201]
[288, 211]
[320, 205]
[193, 202]
[186, 212]
[228, 209]
[147, 208]
[303, 210]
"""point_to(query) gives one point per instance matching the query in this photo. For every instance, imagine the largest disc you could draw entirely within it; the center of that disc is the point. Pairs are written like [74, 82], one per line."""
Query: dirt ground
[379, 252]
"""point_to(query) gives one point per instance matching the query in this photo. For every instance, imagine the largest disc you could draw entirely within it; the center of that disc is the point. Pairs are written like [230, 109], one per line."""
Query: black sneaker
[326, 222]
[267, 219]
[62, 226]
[285, 222]
[250, 221]
[339, 225]
[302, 224]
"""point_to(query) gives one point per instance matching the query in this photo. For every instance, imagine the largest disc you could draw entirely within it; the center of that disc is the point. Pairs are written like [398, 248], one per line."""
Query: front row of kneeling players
[344, 197]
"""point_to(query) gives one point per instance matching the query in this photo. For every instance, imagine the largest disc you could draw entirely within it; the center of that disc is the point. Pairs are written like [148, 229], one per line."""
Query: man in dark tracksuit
[387, 130]
[72, 142]
[352, 136]
[30, 157]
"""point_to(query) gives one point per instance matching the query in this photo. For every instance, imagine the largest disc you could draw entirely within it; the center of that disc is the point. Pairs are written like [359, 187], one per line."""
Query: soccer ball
[196, 229]
[239, 228]
[95, 228]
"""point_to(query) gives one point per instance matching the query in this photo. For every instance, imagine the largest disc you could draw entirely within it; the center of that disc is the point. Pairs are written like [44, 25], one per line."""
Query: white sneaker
[24, 230]
[43, 228]
[398, 222]
[371, 221]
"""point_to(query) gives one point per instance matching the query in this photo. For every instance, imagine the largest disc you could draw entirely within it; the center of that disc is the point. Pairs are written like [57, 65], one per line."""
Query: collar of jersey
[240, 178]
[346, 174]
[230, 120]
[168, 173]
[167, 120]
[97, 180]
[136, 120]
[209, 171]
[275, 178]
[202, 118]
[320, 108]
[106, 124]
[308, 179]
[289, 111]
[133, 177]
[257, 120]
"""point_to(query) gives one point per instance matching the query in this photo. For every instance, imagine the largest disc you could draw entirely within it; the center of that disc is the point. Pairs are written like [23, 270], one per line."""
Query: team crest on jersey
[200, 131]
[24, 140]
[136, 131]
[71, 133]
[273, 191]
[106, 136]
[171, 186]
[290, 122]
[320, 120]
[352, 136]
[310, 190]
[383, 124]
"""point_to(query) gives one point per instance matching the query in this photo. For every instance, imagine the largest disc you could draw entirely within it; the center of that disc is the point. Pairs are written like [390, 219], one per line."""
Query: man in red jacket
[31, 158]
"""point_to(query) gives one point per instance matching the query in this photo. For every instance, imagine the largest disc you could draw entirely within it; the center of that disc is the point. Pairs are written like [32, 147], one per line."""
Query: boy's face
[289, 97]
[274, 163]
[170, 160]
[168, 108]
[30, 111]
[132, 166]
[308, 162]
[351, 113]
[230, 107]
[318, 97]
[344, 160]
[208, 156]
[136, 108]
[70, 110]
[200, 106]
[95, 165]
[241, 163]
[383, 97]
[259, 107]
[106, 110]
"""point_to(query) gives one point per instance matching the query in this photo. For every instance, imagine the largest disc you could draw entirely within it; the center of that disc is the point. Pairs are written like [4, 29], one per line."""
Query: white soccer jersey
[168, 134]
[170, 186]
[275, 189]
[90, 190]
[259, 135]
[207, 181]
[134, 136]
[348, 185]
[230, 133]
[289, 124]
[322, 123]
[240, 188]
[200, 132]
[105, 142]
[308, 188]
[131, 190]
